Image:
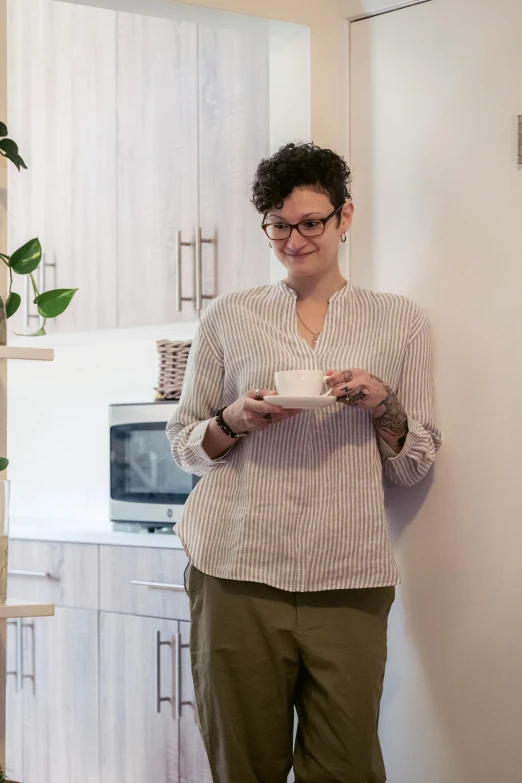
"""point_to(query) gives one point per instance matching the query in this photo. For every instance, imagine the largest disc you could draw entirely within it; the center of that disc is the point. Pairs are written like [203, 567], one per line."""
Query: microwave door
[143, 472]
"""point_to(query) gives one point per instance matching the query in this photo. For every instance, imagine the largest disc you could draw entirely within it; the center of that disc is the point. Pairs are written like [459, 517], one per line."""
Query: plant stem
[35, 287]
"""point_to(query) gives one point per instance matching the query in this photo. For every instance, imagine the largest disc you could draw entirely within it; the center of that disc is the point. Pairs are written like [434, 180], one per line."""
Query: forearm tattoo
[394, 420]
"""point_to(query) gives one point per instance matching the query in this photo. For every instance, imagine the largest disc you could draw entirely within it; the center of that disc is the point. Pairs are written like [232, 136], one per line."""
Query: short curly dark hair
[300, 165]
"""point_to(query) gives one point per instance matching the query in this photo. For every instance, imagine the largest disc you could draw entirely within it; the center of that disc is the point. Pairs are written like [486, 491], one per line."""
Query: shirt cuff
[414, 429]
[195, 444]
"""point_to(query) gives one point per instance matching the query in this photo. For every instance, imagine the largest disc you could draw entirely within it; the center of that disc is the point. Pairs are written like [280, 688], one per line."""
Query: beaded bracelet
[223, 426]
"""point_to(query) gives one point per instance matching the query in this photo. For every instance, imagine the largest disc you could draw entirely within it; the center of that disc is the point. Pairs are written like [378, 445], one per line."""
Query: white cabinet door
[193, 762]
[72, 711]
[81, 165]
[61, 99]
[156, 99]
[27, 113]
[138, 732]
[233, 138]
[60, 695]
[14, 703]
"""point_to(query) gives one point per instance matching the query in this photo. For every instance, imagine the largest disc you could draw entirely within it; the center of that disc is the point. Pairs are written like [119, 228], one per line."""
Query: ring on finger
[258, 394]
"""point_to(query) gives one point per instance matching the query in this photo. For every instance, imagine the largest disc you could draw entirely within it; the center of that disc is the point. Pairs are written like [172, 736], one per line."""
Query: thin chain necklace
[315, 336]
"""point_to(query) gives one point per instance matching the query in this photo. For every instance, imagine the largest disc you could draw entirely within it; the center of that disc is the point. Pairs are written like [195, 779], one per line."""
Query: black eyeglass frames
[313, 227]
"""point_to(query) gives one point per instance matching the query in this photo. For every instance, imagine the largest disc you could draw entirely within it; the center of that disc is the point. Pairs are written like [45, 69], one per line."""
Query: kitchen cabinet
[139, 731]
[60, 698]
[105, 691]
[62, 115]
[140, 163]
[187, 153]
[156, 109]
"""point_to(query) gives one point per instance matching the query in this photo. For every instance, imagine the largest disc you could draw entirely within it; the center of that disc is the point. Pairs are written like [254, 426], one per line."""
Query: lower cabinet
[52, 702]
[101, 692]
[148, 723]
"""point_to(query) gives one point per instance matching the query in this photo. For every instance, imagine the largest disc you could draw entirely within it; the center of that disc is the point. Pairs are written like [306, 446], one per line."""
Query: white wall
[58, 438]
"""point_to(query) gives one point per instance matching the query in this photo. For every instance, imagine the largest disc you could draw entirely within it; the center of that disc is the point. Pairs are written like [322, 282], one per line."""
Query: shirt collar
[343, 292]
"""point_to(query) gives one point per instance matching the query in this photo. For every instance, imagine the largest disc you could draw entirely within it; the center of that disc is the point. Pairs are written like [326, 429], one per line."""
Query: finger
[262, 408]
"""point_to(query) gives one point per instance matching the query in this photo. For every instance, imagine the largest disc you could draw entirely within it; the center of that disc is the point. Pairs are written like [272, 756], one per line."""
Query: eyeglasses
[307, 228]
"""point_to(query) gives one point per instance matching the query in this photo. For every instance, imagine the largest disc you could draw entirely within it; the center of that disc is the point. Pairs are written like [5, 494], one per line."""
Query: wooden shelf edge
[27, 354]
[19, 608]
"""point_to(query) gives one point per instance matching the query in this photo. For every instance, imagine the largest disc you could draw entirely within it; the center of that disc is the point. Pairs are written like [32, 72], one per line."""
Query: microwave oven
[147, 489]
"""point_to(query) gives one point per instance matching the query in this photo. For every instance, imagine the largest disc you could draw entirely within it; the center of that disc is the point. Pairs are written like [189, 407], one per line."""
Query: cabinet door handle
[28, 314]
[159, 698]
[24, 676]
[199, 269]
[179, 296]
[159, 586]
[179, 670]
[38, 574]
[16, 672]
[45, 266]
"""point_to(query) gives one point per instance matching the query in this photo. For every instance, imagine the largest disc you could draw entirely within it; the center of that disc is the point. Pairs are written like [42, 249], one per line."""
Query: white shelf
[15, 607]
[34, 354]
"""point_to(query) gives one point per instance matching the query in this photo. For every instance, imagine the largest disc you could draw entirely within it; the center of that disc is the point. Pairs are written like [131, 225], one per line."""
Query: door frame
[356, 11]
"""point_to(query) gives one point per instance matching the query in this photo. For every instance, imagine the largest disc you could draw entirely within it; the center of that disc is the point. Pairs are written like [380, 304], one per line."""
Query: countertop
[97, 532]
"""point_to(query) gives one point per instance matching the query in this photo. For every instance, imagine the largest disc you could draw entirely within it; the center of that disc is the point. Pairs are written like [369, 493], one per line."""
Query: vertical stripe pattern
[300, 505]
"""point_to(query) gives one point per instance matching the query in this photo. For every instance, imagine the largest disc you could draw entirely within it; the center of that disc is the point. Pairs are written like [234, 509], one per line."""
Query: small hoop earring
[343, 238]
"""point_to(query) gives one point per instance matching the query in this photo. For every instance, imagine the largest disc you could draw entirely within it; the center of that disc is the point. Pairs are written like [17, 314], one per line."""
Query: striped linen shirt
[300, 504]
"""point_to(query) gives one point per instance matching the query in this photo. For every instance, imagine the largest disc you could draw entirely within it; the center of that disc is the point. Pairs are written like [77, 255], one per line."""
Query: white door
[435, 93]
[138, 732]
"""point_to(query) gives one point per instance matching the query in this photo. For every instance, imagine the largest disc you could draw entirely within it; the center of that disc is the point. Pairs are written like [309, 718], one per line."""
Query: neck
[317, 289]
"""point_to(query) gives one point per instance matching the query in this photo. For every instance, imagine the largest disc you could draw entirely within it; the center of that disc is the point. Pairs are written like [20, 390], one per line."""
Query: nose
[295, 241]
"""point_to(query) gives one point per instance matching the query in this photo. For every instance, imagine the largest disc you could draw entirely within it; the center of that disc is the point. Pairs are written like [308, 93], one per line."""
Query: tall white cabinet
[142, 135]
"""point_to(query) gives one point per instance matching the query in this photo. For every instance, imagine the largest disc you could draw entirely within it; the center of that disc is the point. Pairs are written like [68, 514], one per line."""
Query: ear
[346, 217]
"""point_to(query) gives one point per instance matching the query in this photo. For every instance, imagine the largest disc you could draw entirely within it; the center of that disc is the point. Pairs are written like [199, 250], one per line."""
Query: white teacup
[301, 383]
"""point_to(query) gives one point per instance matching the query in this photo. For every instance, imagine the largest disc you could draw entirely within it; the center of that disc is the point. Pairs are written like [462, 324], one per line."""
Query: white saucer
[304, 402]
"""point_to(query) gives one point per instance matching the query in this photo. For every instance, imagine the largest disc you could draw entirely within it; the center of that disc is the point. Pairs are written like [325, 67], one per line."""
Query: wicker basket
[173, 361]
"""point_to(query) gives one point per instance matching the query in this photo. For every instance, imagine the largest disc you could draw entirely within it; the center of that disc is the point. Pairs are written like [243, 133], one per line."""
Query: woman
[291, 577]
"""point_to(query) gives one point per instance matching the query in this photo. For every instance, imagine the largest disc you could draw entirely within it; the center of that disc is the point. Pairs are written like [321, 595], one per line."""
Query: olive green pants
[258, 651]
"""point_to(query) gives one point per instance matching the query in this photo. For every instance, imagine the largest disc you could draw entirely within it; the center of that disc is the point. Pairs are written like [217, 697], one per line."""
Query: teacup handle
[326, 394]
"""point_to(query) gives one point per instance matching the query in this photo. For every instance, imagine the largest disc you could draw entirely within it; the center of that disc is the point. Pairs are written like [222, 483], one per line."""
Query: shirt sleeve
[415, 393]
[201, 398]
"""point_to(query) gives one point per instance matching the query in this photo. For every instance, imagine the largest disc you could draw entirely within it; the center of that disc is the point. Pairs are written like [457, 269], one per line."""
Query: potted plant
[25, 261]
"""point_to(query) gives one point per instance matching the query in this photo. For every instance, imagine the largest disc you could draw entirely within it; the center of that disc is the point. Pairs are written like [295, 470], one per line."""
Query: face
[309, 256]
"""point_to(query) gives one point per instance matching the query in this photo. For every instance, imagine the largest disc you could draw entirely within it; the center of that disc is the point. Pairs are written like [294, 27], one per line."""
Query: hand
[358, 389]
[251, 413]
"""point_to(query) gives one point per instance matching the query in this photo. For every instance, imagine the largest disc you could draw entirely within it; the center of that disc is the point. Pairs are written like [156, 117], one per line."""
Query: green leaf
[3, 129]
[17, 160]
[40, 333]
[4, 462]
[12, 304]
[8, 145]
[25, 260]
[53, 303]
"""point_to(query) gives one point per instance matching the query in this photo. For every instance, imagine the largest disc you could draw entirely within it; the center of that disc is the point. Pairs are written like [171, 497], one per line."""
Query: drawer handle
[39, 574]
[159, 586]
